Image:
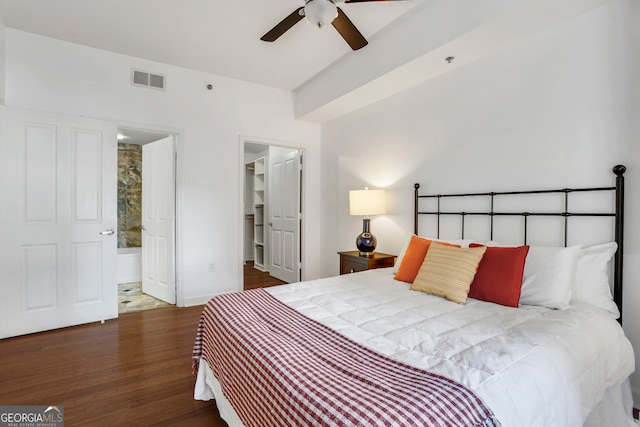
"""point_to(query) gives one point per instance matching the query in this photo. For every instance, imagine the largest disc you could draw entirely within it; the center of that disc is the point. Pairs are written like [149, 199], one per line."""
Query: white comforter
[532, 366]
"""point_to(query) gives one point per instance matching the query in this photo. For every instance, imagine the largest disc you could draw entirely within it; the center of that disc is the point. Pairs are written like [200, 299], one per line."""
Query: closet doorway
[272, 212]
[146, 219]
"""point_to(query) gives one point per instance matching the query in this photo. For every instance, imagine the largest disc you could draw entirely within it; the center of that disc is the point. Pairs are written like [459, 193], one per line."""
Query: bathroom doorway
[146, 220]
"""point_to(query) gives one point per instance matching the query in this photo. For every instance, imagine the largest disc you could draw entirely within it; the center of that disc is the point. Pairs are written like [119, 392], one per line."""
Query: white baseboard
[201, 300]
[130, 279]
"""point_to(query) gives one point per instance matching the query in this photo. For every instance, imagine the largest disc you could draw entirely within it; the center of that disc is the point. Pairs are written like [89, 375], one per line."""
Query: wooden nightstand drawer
[349, 266]
[351, 262]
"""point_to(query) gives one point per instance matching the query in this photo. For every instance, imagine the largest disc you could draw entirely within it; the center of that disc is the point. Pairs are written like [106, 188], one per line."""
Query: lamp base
[366, 254]
[366, 242]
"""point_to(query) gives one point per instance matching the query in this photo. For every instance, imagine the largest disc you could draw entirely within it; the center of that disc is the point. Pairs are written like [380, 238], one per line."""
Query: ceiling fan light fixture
[320, 12]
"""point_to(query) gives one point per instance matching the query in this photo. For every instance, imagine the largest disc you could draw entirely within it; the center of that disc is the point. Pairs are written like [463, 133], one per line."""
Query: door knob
[107, 232]
[270, 224]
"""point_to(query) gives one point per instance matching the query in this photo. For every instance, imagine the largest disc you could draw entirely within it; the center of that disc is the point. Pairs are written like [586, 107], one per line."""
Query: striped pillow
[448, 272]
[413, 258]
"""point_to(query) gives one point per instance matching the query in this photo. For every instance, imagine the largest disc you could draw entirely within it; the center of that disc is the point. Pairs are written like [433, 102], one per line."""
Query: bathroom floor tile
[131, 298]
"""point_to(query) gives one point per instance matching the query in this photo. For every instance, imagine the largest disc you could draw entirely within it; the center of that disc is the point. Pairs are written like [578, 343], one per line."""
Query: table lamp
[366, 202]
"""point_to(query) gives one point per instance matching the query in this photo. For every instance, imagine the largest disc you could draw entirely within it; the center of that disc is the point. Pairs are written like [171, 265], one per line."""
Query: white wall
[50, 75]
[2, 61]
[552, 110]
[632, 252]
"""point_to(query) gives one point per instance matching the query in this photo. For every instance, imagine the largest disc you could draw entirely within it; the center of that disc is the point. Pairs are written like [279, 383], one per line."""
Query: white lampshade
[367, 202]
[320, 12]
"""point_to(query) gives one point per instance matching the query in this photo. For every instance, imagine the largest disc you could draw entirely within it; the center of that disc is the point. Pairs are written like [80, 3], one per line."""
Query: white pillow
[549, 275]
[464, 243]
[592, 277]
[402, 253]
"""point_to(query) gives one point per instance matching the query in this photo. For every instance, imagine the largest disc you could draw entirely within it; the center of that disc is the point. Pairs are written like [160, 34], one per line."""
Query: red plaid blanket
[277, 367]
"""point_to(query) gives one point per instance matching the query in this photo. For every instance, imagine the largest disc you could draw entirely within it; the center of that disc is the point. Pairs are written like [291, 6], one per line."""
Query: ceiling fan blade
[362, 1]
[348, 31]
[284, 25]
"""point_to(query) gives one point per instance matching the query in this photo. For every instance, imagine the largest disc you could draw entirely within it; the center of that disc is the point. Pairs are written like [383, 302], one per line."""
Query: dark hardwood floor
[254, 278]
[131, 371]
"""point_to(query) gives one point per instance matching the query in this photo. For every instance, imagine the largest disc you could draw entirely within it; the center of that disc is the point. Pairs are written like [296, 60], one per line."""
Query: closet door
[58, 220]
[284, 217]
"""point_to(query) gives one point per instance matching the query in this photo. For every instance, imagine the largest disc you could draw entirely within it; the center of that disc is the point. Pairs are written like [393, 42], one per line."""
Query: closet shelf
[259, 199]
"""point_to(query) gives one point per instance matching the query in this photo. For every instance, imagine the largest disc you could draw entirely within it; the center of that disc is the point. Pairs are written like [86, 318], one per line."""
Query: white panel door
[58, 255]
[284, 217]
[158, 212]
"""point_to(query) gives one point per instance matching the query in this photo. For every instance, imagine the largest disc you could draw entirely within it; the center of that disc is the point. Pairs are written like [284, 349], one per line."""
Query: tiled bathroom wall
[129, 195]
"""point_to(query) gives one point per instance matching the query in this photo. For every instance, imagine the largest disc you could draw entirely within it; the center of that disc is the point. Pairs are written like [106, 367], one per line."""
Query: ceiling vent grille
[146, 79]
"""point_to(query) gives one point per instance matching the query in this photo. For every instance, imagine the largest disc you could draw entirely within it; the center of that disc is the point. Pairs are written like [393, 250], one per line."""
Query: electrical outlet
[212, 267]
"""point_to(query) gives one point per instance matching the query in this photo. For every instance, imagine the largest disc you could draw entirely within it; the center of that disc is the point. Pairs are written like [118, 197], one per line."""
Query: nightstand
[351, 262]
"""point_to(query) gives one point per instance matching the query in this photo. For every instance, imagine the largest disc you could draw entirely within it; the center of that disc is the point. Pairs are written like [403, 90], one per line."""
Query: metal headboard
[618, 170]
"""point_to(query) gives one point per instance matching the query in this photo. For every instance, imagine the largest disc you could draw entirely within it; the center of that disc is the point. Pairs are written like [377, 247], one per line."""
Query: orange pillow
[413, 258]
[499, 276]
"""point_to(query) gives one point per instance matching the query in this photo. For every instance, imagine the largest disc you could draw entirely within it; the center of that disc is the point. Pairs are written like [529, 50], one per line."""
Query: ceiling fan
[321, 13]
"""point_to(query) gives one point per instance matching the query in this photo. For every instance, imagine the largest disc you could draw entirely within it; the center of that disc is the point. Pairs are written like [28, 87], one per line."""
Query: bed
[370, 349]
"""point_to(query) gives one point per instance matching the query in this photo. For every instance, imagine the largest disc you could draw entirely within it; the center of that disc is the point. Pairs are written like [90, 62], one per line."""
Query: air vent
[146, 79]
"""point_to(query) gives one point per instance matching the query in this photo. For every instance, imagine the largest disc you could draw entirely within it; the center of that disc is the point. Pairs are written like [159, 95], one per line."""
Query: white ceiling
[215, 36]
[409, 40]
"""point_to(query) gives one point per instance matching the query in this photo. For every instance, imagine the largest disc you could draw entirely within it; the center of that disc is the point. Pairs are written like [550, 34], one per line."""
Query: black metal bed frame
[618, 214]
